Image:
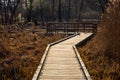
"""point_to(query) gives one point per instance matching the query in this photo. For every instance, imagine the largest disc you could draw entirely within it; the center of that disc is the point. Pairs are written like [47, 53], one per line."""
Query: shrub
[102, 54]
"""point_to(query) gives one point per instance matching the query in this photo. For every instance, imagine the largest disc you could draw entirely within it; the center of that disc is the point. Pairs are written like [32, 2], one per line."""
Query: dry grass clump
[20, 52]
[102, 54]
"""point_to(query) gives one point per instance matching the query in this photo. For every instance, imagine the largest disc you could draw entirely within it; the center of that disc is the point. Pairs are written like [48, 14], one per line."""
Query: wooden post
[67, 29]
[77, 28]
[84, 27]
[94, 28]
[47, 28]
[74, 28]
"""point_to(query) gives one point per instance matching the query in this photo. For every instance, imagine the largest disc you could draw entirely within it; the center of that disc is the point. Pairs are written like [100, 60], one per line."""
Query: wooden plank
[61, 62]
[59, 71]
[55, 72]
[61, 47]
[62, 65]
[40, 66]
[60, 59]
[63, 77]
[60, 50]
[62, 54]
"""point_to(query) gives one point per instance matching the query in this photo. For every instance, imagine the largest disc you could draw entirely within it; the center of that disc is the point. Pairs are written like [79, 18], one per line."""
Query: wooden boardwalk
[62, 63]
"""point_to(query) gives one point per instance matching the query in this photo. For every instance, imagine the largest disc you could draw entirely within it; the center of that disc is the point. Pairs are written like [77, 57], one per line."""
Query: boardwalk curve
[61, 61]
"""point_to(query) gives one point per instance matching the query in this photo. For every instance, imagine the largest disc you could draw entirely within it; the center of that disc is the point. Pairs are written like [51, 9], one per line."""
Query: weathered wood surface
[61, 62]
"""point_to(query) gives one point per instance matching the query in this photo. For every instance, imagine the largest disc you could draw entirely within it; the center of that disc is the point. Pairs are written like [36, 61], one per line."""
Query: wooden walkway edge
[40, 66]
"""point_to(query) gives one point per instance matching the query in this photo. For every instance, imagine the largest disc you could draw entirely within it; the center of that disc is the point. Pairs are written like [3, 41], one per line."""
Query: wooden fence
[71, 27]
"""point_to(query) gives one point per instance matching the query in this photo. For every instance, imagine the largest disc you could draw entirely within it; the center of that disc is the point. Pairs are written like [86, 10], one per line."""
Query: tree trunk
[0, 12]
[102, 5]
[80, 9]
[53, 7]
[69, 6]
[41, 12]
[59, 11]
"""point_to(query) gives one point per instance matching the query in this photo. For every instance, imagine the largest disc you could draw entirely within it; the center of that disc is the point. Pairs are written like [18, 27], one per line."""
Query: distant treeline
[14, 11]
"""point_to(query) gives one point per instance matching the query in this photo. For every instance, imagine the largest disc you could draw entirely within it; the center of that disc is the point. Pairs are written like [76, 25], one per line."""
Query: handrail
[94, 22]
[74, 27]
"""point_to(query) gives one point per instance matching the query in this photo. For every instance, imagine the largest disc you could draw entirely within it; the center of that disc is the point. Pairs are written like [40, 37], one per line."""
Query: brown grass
[20, 52]
[102, 54]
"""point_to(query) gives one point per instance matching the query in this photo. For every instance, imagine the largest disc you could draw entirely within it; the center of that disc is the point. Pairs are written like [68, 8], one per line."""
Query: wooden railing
[71, 27]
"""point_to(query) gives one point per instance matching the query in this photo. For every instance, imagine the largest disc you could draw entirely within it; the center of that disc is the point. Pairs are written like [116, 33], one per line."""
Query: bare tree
[59, 11]
[69, 7]
[104, 4]
[28, 4]
[0, 11]
[41, 12]
[80, 9]
[14, 9]
[9, 8]
[53, 7]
